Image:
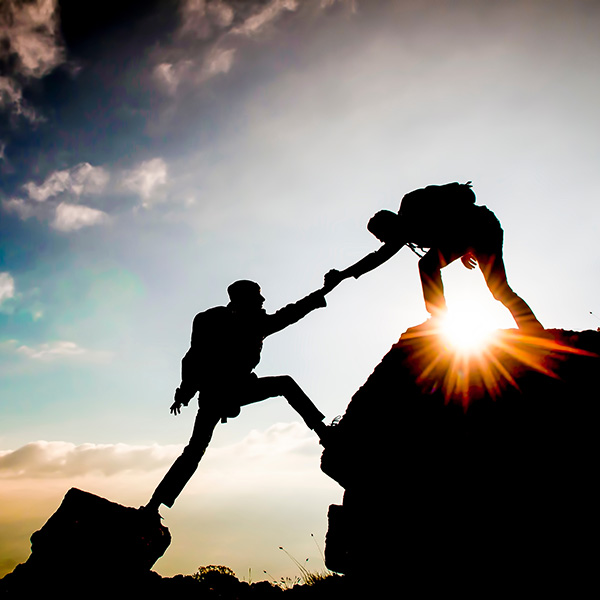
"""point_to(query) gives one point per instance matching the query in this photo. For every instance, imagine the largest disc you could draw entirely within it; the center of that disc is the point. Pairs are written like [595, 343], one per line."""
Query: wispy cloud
[146, 179]
[18, 206]
[42, 459]
[30, 47]
[53, 350]
[59, 350]
[71, 217]
[265, 15]
[7, 287]
[203, 19]
[16, 302]
[78, 180]
[63, 459]
[276, 466]
[11, 98]
[31, 34]
[62, 198]
[54, 199]
[210, 33]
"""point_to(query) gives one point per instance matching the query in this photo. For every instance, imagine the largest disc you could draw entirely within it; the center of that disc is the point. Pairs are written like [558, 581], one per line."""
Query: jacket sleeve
[292, 313]
[189, 382]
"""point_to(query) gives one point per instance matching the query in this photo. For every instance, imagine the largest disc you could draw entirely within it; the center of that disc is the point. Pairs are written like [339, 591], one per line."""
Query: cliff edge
[471, 472]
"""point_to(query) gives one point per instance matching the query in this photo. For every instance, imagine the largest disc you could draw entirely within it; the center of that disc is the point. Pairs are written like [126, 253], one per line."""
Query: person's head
[384, 225]
[245, 294]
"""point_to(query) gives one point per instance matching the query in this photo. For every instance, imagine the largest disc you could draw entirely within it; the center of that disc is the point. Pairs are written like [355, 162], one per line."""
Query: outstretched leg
[185, 466]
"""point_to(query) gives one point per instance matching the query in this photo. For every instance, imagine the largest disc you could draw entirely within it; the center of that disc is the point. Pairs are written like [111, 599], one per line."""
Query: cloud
[20, 303]
[43, 459]
[31, 33]
[212, 31]
[18, 206]
[9, 299]
[218, 60]
[57, 350]
[267, 14]
[145, 179]
[253, 485]
[71, 217]
[30, 47]
[7, 287]
[201, 19]
[45, 351]
[279, 439]
[11, 98]
[45, 201]
[205, 44]
[169, 76]
[78, 180]
[57, 200]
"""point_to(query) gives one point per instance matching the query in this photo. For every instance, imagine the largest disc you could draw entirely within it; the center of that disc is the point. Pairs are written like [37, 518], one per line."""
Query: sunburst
[467, 359]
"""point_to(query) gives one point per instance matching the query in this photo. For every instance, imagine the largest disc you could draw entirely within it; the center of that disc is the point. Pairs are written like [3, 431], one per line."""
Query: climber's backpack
[425, 210]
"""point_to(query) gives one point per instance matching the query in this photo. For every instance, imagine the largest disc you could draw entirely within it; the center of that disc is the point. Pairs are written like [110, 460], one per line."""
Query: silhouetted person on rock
[225, 348]
[445, 220]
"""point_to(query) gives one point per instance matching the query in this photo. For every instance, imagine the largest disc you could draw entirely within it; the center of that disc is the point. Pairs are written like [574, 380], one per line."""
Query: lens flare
[469, 359]
[466, 331]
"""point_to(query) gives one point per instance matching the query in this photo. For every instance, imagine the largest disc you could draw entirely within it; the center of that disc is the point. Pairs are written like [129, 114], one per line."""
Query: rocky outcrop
[90, 544]
[472, 473]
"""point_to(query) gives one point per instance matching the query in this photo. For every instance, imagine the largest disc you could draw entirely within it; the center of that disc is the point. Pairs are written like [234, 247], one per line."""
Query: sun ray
[471, 359]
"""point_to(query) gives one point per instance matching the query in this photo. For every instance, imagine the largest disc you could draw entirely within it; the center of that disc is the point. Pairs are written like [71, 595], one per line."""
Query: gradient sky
[153, 152]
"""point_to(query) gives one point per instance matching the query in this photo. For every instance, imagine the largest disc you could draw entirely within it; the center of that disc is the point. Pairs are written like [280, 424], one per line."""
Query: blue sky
[151, 153]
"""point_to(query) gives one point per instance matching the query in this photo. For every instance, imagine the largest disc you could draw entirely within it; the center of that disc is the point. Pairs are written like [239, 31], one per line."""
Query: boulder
[90, 543]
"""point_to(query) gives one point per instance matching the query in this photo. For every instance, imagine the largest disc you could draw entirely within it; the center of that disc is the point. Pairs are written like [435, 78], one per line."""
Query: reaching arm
[364, 265]
[294, 312]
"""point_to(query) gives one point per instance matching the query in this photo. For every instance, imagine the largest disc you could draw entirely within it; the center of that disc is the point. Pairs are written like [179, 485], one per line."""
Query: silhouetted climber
[445, 220]
[225, 348]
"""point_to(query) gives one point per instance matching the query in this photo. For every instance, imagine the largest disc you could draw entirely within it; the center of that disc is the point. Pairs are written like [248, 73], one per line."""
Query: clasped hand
[331, 280]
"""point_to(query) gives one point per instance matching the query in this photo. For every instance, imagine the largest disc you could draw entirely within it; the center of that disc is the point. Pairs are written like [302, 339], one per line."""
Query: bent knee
[286, 383]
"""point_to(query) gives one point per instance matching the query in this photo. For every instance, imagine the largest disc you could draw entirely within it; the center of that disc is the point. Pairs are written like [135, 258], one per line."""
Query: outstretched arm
[294, 312]
[364, 265]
